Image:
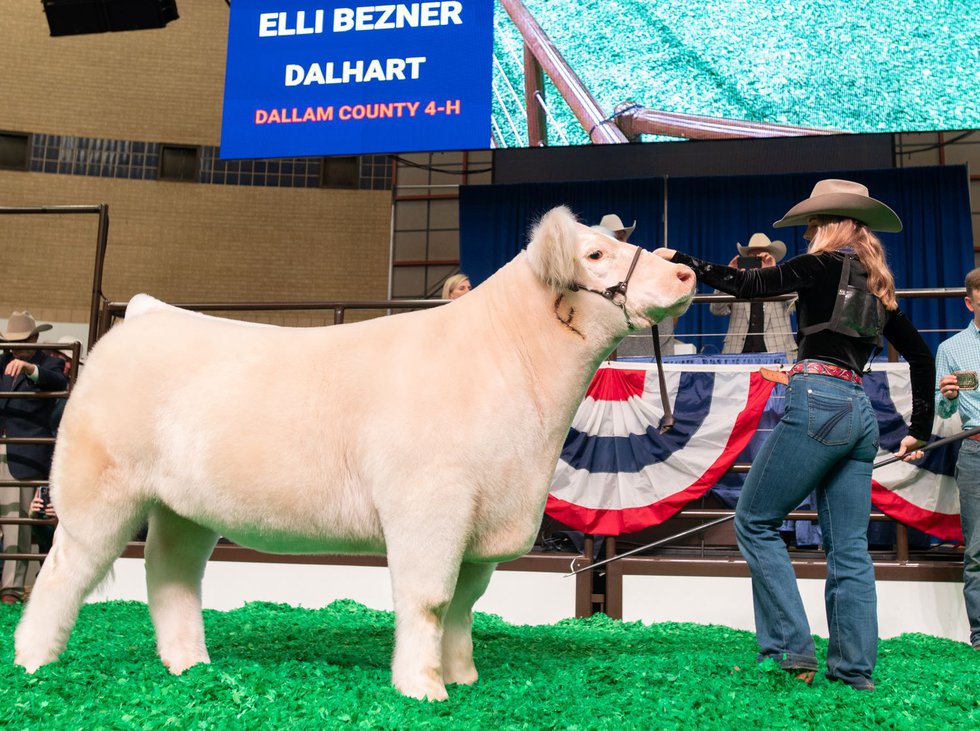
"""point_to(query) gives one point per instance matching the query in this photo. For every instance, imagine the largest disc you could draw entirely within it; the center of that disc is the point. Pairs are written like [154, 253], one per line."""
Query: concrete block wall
[191, 243]
[179, 241]
[164, 84]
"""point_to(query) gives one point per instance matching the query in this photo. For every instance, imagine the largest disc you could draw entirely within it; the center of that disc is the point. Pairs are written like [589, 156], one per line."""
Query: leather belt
[811, 366]
[826, 369]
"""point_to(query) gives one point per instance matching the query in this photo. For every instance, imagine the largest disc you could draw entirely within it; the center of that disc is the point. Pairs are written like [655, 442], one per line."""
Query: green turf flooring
[279, 667]
[850, 65]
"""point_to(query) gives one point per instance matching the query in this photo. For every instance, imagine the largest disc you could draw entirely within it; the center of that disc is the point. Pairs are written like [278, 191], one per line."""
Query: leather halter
[610, 293]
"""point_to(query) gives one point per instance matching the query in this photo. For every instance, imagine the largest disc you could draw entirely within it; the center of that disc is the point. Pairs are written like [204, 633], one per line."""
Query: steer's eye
[595, 255]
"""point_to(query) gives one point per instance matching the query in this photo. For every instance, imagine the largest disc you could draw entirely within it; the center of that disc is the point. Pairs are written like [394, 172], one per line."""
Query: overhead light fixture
[77, 17]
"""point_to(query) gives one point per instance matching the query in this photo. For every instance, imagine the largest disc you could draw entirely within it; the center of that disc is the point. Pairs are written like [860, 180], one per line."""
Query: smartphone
[44, 495]
[749, 262]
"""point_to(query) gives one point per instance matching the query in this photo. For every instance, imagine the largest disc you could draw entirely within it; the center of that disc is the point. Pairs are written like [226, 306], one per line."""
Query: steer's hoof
[177, 665]
[425, 687]
[464, 674]
[30, 662]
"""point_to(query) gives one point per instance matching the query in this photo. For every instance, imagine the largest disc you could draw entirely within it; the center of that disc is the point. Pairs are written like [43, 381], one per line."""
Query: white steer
[430, 437]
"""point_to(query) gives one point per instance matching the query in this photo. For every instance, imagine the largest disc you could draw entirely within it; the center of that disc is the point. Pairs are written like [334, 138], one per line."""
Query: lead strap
[667, 422]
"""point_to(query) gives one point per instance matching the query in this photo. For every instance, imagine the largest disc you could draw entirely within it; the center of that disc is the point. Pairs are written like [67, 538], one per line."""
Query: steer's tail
[140, 304]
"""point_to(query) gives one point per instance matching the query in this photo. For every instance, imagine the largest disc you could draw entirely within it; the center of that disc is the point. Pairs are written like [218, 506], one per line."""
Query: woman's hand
[909, 449]
[665, 253]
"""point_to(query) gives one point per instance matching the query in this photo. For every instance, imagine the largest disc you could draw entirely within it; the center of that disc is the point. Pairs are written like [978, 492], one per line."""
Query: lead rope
[667, 422]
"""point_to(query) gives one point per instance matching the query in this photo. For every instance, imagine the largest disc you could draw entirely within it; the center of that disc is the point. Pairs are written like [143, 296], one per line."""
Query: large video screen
[682, 69]
[323, 77]
[341, 77]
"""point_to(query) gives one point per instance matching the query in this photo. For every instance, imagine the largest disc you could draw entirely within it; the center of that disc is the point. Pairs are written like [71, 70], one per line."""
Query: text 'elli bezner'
[362, 18]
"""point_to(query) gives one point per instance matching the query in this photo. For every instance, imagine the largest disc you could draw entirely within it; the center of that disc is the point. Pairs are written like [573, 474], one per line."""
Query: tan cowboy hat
[21, 326]
[759, 243]
[615, 224]
[842, 198]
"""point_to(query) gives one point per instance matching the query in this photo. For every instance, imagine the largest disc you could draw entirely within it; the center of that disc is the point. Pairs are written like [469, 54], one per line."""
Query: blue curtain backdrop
[495, 220]
[706, 217]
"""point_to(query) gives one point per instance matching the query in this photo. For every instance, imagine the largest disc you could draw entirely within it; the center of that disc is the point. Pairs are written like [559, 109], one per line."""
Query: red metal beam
[635, 120]
[583, 105]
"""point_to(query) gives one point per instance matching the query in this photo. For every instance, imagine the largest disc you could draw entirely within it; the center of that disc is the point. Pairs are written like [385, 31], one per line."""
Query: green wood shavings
[280, 667]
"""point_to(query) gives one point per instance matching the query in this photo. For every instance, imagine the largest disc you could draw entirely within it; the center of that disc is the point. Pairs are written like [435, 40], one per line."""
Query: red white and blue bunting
[617, 474]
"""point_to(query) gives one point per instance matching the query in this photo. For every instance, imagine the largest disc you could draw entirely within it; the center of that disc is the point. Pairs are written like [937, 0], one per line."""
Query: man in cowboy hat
[758, 327]
[23, 370]
[615, 226]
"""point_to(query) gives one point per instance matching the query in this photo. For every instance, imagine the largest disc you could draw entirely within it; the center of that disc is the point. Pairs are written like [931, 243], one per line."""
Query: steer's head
[570, 256]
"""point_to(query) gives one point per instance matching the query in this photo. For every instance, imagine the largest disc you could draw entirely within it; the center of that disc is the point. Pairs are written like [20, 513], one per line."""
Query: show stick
[932, 445]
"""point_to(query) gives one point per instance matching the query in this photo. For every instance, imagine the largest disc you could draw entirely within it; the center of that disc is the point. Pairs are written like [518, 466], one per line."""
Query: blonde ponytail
[834, 234]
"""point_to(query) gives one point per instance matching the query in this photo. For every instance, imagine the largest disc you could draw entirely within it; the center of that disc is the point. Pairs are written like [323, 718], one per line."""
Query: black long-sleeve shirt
[814, 277]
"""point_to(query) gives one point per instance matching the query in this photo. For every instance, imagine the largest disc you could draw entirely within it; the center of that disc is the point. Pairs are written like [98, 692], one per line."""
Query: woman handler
[828, 436]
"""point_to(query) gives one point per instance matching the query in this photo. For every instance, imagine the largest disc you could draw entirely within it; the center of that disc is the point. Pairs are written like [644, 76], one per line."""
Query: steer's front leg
[457, 640]
[423, 581]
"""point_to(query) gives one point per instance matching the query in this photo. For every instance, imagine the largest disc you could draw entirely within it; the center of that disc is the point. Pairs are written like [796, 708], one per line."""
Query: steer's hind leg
[177, 551]
[457, 638]
[92, 533]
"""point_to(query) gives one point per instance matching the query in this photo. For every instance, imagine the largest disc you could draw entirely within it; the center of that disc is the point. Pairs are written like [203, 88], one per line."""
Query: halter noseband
[610, 293]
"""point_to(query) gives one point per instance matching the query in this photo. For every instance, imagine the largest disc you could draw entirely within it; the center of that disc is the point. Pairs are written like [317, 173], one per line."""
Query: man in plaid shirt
[957, 363]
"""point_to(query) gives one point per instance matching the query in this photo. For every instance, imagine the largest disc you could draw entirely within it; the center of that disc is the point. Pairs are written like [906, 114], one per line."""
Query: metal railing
[629, 120]
[701, 559]
[102, 237]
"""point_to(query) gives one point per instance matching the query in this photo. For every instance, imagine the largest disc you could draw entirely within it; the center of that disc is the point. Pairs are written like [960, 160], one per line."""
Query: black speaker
[75, 17]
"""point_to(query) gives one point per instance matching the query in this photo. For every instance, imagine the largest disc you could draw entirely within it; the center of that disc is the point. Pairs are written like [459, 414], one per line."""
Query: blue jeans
[968, 482]
[826, 442]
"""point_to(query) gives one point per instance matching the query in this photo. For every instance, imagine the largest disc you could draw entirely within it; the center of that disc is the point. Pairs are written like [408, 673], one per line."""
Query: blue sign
[332, 77]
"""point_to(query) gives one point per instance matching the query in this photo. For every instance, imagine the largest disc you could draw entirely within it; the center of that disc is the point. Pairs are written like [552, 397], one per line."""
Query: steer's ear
[553, 247]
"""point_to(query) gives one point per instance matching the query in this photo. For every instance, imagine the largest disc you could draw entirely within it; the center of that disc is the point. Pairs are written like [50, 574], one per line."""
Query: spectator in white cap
[758, 327]
[67, 353]
[23, 370]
